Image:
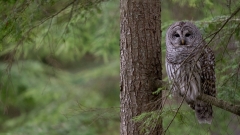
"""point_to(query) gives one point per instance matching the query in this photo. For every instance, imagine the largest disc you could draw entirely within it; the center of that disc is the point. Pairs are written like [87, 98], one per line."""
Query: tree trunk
[140, 62]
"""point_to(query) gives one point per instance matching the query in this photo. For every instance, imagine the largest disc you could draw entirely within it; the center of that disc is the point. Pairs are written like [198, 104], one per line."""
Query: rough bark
[140, 62]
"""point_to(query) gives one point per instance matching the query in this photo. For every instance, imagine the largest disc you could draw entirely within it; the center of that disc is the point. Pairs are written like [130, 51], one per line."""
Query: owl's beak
[183, 42]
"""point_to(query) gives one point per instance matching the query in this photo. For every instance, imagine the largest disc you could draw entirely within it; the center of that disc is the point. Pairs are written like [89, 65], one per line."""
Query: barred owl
[190, 67]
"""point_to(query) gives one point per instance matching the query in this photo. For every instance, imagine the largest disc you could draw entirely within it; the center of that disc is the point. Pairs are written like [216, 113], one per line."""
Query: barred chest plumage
[185, 79]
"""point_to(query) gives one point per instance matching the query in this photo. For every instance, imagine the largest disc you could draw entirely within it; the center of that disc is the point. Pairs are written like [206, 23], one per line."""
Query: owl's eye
[188, 34]
[176, 35]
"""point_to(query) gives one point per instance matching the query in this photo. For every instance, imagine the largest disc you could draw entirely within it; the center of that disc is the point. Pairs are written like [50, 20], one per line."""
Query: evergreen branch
[224, 24]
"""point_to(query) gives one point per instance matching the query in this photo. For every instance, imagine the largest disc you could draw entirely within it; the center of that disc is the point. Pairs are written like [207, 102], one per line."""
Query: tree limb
[211, 100]
[220, 103]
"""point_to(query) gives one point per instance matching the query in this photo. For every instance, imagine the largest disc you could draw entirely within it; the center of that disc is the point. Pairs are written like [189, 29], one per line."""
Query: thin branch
[174, 115]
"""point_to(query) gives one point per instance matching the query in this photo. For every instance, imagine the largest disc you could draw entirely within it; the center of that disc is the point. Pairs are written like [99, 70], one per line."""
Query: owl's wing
[208, 78]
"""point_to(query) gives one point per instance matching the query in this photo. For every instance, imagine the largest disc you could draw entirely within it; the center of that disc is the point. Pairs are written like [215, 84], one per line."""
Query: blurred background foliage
[59, 64]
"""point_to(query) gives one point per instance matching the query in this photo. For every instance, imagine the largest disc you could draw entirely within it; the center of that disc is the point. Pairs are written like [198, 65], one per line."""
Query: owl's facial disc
[182, 37]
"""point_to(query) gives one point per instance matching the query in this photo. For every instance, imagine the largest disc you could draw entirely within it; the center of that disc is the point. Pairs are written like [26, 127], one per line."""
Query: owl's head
[183, 34]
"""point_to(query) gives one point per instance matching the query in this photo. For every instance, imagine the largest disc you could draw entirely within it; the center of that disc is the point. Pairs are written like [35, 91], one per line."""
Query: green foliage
[83, 34]
[51, 101]
[48, 88]
[148, 121]
[185, 122]
[194, 3]
[181, 120]
[159, 90]
[62, 34]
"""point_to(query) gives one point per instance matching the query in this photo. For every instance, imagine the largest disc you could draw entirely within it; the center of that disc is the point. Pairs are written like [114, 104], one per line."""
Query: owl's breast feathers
[193, 75]
[184, 54]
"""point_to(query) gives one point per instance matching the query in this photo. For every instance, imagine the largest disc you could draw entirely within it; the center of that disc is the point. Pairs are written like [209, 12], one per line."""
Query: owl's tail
[204, 112]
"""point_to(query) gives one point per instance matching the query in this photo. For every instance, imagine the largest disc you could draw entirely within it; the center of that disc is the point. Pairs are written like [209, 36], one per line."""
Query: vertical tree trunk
[140, 62]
